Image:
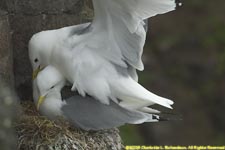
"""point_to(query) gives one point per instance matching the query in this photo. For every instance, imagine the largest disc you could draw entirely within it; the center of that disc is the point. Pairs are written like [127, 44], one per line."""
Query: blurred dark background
[185, 61]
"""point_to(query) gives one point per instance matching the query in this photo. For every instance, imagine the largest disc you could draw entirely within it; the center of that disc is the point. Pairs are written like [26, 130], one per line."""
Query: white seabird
[100, 58]
[84, 112]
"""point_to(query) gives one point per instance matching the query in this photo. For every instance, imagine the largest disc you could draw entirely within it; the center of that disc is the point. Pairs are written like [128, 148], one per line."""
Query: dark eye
[52, 87]
[36, 60]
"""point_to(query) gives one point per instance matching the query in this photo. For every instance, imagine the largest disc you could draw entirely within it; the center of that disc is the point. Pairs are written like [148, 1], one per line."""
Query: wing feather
[116, 38]
[89, 114]
[121, 24]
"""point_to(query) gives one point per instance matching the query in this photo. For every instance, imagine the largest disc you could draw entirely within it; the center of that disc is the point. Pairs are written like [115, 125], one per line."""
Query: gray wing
[90, 114]
[130, 69]
[118, 28]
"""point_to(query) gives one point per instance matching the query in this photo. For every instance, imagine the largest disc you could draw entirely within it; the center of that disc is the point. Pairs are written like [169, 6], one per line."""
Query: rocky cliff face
[6, 57]
[19, 21]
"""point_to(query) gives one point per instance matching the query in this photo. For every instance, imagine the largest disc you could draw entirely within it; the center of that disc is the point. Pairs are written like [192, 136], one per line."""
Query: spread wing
[119, 26]
[115, 39]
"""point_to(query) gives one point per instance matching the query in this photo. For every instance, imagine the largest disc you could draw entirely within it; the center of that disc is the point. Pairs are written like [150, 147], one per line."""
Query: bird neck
[54, 96]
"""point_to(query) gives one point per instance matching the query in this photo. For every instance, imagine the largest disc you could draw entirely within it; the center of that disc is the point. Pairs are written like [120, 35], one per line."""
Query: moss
[131, 135]
[37, 132]
[220, 139]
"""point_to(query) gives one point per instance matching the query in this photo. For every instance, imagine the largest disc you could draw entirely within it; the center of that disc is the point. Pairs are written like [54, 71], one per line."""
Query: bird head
[49, 83]
[40, 48]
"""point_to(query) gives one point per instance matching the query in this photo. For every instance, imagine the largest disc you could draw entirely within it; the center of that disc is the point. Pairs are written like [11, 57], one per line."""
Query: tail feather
[165, 117]
[149, 110]
[133, 106]
[130, 91]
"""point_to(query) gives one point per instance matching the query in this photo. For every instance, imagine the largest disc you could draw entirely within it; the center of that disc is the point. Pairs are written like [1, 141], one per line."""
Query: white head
[40, 48]
[49, 83]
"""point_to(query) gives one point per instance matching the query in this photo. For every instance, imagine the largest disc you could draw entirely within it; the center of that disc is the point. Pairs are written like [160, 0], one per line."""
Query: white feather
[128, 90]
[120, 23]
[115, 38]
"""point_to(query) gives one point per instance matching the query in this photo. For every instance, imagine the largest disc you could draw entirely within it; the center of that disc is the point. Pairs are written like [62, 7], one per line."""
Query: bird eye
[52, 87]
[36, 60]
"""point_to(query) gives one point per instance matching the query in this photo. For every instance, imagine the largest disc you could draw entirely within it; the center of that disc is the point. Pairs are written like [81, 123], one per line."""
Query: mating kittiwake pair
[98, 59]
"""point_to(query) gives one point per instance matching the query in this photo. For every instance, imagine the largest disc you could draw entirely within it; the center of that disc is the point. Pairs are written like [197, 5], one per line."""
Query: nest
[36, 132]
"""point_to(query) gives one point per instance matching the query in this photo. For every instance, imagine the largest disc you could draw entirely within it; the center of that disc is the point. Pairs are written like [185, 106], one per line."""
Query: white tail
[135, 96]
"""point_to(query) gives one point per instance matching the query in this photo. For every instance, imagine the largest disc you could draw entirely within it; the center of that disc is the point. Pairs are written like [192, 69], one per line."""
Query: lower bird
[84, 112]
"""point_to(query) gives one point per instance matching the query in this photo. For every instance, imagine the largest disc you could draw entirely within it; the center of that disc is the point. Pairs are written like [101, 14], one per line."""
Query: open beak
[35, 72]
[40, 101]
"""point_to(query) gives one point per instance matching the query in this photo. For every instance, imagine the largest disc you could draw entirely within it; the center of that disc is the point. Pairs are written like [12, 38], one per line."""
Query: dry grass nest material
[36, 132]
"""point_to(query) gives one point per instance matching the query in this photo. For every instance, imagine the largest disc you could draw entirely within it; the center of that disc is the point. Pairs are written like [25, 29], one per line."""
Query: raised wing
[115, 39]
[119, 25]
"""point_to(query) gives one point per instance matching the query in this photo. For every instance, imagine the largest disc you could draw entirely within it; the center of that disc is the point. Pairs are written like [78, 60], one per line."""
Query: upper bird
[100, 58]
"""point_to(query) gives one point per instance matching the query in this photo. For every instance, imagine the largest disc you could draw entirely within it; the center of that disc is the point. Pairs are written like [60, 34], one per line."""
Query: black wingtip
[178, 3]
[167, 117]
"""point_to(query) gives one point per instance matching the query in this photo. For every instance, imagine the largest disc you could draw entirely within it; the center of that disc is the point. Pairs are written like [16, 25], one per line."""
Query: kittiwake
[84, 112]
[100, 59]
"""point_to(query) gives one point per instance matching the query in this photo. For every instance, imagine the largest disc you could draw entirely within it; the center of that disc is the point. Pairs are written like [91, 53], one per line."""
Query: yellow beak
[35, 72]
[40, 101]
